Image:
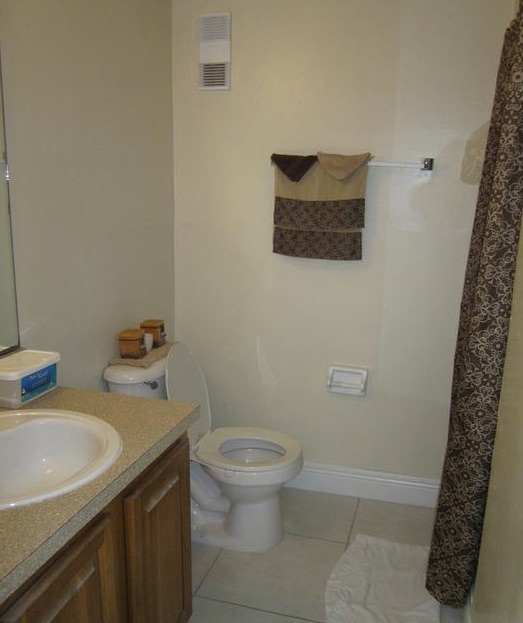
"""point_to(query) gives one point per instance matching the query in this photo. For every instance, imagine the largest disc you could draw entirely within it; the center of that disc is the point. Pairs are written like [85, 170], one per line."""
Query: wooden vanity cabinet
[85, 583]
[131, 563]
[158, 543]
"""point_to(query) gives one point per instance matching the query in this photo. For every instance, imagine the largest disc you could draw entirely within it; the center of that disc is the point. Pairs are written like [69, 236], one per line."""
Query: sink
[45, 453]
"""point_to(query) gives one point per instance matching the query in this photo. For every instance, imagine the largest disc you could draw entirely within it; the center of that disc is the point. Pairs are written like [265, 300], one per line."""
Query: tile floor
[287, 583]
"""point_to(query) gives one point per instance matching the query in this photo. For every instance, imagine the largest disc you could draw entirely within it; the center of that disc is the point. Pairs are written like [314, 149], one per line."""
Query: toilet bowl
[236, 472]
[250, 466]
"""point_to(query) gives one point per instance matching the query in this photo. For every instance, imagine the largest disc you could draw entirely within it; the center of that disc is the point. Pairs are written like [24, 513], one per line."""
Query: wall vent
[215, 52]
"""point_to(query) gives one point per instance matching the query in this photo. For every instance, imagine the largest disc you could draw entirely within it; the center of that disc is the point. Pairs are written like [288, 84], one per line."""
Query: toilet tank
[137, 381]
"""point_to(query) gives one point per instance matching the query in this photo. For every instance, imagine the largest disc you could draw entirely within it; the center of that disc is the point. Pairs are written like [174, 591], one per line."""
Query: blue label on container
[38, 382]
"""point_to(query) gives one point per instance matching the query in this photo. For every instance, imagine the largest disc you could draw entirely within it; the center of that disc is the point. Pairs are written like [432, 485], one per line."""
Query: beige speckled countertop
[30, 535]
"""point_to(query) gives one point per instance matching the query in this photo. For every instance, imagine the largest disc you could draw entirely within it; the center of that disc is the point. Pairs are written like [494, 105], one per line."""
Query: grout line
[353, 523]
[275, 612]
[313, 538]
[204, 577]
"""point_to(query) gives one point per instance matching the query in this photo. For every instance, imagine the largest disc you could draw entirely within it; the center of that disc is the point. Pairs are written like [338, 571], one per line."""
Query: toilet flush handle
[152, 384]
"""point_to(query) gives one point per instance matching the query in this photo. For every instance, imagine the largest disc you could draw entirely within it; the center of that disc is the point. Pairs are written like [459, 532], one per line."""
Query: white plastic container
[26, 375]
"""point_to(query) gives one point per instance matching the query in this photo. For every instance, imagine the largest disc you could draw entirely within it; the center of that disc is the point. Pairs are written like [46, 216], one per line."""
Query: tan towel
[340, 167]
[322, 215]
[145, 362]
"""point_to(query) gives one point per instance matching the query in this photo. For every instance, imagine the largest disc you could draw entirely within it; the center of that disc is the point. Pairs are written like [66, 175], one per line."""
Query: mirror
[9, 334]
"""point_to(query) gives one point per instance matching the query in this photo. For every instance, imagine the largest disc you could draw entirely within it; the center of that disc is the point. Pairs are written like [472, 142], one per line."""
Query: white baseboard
[367, 484]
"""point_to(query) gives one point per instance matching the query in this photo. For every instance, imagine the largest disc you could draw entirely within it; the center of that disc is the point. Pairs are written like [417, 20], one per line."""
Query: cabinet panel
[157, 525]
[84, 585]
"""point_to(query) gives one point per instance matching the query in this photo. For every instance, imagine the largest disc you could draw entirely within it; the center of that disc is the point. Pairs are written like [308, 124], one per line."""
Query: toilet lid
[185, 382]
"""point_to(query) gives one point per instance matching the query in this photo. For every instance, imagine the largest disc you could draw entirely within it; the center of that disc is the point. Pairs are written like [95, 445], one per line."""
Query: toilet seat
[211, 449]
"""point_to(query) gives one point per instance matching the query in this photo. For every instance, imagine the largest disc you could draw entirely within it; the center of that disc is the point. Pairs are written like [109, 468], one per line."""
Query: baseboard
[367, 484]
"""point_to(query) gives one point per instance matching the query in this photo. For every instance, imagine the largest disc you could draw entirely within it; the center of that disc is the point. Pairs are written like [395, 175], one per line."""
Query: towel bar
[426, 164]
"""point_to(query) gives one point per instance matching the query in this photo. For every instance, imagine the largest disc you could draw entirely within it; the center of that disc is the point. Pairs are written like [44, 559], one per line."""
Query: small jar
[131, 344]
[157, 328]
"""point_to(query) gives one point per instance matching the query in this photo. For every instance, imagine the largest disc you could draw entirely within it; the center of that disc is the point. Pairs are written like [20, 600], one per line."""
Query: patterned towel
[319, 214]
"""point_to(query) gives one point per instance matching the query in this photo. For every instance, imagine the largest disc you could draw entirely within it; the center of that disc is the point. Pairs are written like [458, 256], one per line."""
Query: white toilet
[236, 473]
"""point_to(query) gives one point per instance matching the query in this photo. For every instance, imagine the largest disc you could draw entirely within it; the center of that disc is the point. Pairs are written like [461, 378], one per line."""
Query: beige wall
[89, 118]
[498, 597]
[400, 78]
[88, 112]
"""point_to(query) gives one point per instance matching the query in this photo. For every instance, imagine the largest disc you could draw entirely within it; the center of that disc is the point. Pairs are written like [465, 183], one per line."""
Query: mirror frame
[10, 337]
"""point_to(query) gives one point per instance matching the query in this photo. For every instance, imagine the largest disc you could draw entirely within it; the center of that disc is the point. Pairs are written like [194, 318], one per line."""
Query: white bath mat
[378, 581]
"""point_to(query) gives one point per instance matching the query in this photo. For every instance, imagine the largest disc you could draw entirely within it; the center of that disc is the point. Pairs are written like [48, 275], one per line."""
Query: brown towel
[294, 167]
[322, 215]
[145, 362]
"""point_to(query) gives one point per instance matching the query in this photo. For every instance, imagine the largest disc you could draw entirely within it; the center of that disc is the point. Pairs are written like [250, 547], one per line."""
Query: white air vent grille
[215, 26]
[214, 75]
[215, 52]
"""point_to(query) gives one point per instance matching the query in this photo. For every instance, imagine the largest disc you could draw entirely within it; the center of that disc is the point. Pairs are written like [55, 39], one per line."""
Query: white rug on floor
[378, 581]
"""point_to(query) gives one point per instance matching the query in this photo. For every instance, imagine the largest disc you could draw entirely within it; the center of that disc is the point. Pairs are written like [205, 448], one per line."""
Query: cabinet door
[84, 585]
[158, 537]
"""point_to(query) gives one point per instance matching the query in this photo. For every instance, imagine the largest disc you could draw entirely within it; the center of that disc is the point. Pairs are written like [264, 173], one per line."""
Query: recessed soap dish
[347, 380]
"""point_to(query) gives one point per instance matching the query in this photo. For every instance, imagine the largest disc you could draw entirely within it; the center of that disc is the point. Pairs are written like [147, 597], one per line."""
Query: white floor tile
[289, 579]
[209, 611]
[203, 557]
[395, 522]
[318, 515]
[287, 583]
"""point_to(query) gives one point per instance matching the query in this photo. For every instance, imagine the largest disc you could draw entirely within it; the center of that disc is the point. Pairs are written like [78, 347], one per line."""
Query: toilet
[236, 473]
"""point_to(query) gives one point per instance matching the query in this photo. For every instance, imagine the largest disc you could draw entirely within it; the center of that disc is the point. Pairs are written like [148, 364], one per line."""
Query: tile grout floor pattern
[287, 583]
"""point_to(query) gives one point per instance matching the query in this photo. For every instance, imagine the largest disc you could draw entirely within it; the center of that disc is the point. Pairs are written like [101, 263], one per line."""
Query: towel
[379, 581]
[145, 362]
[340, 166]
[294, 167]
[321, 215]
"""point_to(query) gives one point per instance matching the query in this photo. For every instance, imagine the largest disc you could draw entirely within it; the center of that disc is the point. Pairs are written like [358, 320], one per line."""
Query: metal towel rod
[426, 164]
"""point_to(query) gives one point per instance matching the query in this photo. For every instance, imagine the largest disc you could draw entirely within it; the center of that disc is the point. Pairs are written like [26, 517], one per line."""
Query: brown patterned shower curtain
[482, 337]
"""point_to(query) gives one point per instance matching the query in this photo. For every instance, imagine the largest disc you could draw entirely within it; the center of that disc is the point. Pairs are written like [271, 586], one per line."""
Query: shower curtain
[482, 337]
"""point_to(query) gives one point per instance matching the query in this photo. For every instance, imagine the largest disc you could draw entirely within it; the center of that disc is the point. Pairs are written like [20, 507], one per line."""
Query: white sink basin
[47, 452]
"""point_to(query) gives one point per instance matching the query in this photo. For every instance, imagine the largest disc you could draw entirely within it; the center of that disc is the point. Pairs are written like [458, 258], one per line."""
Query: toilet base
[214, 534]
[244, 519]
[258, 523]
[247, 527]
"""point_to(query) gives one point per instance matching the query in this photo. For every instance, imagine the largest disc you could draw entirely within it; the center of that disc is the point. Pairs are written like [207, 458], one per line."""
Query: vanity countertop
[30, 535]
